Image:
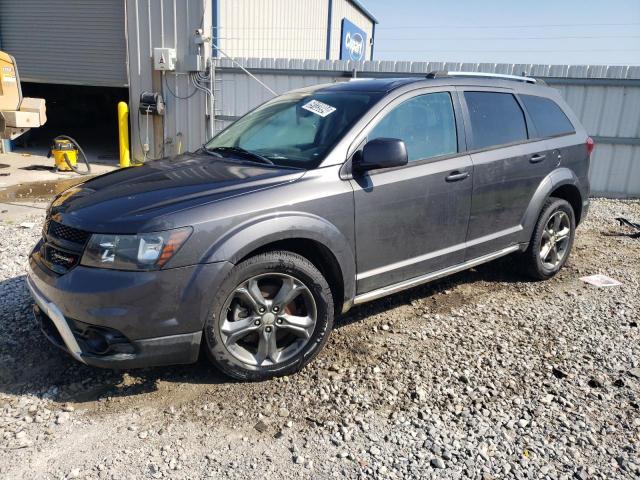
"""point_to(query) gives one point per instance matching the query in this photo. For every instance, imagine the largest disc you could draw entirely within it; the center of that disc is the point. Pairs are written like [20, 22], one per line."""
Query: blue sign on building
[353, 44]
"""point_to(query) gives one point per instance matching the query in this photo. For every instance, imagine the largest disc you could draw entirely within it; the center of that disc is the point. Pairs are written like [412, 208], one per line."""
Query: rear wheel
[271, 317]
[552, 239]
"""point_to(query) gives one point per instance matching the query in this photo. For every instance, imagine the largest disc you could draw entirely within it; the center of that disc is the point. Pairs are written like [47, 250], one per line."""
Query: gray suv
[320, 199]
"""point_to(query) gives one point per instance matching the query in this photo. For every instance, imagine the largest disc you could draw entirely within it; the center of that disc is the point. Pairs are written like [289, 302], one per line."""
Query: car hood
[146, 198]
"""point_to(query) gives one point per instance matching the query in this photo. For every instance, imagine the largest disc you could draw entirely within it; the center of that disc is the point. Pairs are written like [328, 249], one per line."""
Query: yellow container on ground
[61, 148]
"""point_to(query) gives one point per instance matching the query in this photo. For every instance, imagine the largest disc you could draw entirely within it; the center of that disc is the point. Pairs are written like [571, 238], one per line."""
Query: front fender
[263, 230]
[556, 179]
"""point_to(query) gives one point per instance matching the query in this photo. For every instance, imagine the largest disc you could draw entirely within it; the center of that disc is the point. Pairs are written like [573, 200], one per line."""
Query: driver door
[412, 220]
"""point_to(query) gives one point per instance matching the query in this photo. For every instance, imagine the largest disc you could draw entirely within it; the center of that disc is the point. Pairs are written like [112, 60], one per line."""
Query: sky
[536, 31]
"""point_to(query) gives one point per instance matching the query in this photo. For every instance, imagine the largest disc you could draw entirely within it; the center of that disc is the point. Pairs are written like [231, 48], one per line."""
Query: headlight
[145, 251]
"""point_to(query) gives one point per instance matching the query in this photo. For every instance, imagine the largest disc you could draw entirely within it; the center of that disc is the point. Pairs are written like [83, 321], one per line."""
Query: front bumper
[138, 319]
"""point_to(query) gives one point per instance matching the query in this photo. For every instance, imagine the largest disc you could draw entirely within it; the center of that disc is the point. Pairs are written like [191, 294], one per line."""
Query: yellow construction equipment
[17, 114]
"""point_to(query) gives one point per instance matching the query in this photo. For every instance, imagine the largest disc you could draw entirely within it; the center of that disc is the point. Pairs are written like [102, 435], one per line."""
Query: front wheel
[271, 317]
[552, 239]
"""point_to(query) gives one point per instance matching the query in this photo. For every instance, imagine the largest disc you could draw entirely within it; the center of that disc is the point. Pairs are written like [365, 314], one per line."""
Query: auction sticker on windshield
[319, 108]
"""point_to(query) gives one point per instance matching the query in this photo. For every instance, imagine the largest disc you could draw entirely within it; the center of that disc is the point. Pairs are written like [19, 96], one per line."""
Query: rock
[298, 459]
[62, 418]
[421, 394]
[547, 399]
[597, 381]
[261, 426]
[558, 373]
[581, 474]
[374, 451]
[437, 463]
[283, 412]
[635, 372]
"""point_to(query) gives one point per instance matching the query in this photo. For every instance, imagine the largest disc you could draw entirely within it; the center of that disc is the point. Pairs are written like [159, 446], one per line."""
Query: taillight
[590, 145]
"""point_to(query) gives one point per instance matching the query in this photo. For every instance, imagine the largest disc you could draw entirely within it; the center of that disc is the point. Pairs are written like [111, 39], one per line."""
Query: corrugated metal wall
[166, 23]
[346, 9]
[273, 28]
[606, 98]
[77, 42]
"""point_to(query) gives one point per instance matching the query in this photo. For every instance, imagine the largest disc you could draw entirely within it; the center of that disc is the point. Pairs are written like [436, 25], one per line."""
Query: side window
[547, 116]
[496, 119]
[425, 123]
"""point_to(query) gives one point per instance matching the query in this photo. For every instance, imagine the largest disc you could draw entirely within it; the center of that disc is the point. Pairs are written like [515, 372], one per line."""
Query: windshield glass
[296, 129]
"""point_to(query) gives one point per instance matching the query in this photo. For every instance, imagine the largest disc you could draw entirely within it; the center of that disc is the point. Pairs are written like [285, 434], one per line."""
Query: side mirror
[381, 153]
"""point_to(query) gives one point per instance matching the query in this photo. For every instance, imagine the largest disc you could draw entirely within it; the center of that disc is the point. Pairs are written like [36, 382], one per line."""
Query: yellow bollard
[123, 134]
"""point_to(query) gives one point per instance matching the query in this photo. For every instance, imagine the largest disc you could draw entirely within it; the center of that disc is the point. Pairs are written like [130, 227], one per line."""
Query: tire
[249, 337]
[547, 236]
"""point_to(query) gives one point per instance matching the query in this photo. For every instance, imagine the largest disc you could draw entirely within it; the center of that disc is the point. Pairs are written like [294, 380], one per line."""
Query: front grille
[59, 261]
[66, 233]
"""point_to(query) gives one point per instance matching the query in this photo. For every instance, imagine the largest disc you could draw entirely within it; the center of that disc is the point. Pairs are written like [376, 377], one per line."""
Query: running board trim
[412, 282]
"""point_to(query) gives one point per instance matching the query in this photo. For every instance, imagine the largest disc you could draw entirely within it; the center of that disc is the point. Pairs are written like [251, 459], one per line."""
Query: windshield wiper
[241, 152]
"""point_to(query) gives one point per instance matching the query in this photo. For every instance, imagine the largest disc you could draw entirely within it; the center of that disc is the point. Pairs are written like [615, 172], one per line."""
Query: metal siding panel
[169, 23]
[67, 42]
[629, 124]
[273, 28]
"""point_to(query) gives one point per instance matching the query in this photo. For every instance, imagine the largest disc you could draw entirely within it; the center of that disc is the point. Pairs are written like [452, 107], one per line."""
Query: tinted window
[496, 119]
[547, 116]
[425, 123]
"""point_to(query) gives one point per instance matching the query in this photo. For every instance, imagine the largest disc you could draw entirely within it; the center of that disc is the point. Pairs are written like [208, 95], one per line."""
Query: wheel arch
[305, 234]
[571, 194]
[561, 183]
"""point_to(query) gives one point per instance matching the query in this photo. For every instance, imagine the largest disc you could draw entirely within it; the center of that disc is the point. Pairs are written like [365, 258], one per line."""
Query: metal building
[309, 29]
[84, 56]
[85, 42]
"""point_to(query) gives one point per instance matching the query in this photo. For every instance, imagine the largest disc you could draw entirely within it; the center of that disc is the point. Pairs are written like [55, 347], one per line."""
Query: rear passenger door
[508, 165]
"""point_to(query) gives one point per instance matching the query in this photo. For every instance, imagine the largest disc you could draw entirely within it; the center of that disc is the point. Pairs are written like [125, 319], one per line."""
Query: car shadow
[30, 365]
[502, 270]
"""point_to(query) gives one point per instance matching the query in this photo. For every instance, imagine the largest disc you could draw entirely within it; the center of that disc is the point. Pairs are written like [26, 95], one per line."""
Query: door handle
[456, 176]
[538, 157]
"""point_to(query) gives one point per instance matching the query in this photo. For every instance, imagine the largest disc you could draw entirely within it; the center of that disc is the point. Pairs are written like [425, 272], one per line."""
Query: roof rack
[517, 78]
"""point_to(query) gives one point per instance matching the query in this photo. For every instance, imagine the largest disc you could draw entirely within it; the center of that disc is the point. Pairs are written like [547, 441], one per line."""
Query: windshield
[296, 129]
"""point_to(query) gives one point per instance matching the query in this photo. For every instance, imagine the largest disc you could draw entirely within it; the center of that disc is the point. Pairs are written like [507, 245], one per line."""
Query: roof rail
[516, 78]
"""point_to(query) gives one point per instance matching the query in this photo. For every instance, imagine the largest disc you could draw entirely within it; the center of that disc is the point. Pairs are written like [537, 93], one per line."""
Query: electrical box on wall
[192, 63]
[164, 59]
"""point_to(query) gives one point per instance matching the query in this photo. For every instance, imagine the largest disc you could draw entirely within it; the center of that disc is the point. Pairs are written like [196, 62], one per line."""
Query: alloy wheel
[554, 242]
[268, 319]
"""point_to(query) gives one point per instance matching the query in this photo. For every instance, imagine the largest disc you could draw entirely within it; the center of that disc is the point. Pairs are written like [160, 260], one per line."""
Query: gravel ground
[482, 375]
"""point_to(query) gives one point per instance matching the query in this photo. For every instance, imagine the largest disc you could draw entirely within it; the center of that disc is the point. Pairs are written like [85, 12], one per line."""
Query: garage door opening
[88, 114]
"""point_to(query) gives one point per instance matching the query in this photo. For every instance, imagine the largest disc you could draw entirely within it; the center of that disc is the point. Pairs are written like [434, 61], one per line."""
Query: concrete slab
[27, 167]
[28, 183]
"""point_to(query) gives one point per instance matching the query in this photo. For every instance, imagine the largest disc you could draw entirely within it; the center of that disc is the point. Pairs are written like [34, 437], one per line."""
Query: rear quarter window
[496, 119]
[547, 116]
